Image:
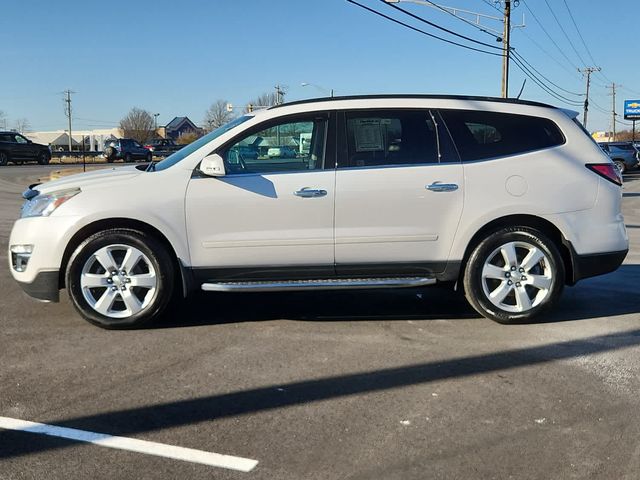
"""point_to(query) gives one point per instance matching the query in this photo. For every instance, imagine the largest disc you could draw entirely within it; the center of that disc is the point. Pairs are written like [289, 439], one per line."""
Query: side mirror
[213, 165]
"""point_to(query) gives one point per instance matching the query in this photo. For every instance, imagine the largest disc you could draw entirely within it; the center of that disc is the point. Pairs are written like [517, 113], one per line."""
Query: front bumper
[45, 286]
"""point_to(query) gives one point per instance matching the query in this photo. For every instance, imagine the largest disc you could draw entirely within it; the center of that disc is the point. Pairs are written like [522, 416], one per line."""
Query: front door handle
[442, 187]
[307, 192]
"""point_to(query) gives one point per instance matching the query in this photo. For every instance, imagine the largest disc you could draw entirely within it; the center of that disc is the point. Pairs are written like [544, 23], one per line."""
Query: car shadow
[609, 295]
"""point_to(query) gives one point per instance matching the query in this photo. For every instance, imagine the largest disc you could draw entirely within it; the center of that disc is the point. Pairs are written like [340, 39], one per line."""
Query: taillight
[606, 170]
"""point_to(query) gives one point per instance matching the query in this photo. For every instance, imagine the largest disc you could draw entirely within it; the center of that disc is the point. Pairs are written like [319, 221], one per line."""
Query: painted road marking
[132, 445]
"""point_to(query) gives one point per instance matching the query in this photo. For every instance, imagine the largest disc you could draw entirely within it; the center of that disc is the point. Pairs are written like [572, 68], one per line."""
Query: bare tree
[22, 125]
[267, 99]
[3, 120]
[138, 124]
[217, 115]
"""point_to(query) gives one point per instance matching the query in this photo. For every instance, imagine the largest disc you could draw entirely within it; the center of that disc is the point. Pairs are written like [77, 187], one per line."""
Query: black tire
[621, 166]
[477, 287]
[44, 158]
[149, 157]
[127, 158]
[158, 257]
[4, 159]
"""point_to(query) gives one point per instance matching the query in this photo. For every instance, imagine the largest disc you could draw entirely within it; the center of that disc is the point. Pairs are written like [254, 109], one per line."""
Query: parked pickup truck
[17, 148]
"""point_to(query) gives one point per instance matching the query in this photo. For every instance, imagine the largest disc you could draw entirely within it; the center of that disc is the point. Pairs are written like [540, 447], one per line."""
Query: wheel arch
[524, 220]
[129, 223]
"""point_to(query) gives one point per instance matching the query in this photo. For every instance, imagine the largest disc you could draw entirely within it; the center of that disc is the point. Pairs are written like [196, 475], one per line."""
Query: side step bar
[328, 284]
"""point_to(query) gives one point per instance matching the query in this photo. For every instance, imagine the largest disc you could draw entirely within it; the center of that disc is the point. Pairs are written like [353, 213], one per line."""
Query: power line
[546, 78]
[579, 34]
[422, 31]
[542, 85]
[492, 5]
[546, 52]
[564, 32]
[498, 39]
[549, 36]
[435, 25]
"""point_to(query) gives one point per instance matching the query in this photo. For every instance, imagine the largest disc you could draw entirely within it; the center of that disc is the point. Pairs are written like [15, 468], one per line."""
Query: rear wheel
[4, 158]
[513, 275]
[110, 154]
[127, 158]
[621, 166]
[120, 279]
[149, 157]
[43, 158]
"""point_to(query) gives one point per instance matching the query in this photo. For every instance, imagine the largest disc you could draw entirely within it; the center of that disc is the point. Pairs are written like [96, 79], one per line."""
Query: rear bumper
[45, 286]
[585, 266]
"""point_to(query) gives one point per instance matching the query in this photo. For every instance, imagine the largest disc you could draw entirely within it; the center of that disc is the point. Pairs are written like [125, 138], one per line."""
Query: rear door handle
[307, 192]
[442, 187]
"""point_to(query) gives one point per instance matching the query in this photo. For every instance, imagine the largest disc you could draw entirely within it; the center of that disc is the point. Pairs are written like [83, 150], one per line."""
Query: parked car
[17, 148]
[394, 191]
[163, 145]
[282, 152]
[624, 154]
[125, 149]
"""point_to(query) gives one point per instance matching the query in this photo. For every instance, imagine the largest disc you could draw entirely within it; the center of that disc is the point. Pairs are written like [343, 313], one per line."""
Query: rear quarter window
[482, 135]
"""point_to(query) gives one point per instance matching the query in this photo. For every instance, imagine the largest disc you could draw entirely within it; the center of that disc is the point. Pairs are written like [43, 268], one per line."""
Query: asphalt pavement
[397, 384]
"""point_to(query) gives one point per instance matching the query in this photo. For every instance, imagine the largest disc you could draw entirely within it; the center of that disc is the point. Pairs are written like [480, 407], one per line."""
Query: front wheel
[43, 158]
[513, 275]
[120, 278]
[621, 166]
[4, 159]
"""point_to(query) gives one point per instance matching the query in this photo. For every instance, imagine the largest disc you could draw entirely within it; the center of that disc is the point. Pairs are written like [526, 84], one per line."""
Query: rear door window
[481, 135]
[395, 137]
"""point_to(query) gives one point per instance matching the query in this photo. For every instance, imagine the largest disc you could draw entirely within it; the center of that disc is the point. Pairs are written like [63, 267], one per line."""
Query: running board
[328, 284]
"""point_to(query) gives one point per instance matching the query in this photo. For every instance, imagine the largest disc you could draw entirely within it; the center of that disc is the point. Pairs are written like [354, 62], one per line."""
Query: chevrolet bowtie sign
[632, 109]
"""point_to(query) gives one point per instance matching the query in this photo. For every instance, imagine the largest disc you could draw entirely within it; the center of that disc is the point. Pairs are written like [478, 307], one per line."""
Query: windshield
[171, 160]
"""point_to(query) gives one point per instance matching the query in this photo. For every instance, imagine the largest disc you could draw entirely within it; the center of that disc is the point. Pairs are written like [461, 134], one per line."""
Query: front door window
[295, 146]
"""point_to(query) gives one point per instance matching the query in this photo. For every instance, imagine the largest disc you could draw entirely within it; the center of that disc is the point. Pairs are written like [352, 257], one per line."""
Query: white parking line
[132, 444]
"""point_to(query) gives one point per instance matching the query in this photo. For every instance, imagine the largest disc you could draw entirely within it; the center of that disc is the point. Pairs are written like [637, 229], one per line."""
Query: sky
[175, 58]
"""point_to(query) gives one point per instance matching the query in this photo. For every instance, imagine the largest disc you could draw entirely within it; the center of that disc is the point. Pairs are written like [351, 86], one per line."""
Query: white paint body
[368, 215]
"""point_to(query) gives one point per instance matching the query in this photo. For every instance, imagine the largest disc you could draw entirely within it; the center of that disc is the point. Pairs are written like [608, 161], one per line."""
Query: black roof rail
[417, 96]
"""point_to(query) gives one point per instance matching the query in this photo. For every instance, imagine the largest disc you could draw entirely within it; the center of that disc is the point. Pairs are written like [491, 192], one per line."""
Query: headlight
[45, 204]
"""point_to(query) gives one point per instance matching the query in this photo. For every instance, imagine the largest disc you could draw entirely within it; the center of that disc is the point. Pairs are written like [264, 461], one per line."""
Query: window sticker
[368, 134]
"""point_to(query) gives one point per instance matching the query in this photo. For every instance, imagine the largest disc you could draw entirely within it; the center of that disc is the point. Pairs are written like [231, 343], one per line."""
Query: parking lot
[398, 384]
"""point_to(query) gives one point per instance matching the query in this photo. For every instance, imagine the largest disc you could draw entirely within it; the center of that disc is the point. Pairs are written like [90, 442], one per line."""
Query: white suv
[508, 199]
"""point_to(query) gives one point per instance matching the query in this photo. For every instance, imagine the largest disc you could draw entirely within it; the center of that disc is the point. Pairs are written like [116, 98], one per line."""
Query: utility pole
[67, 112]
[587, 71]
[279, 95]
[506, 50]
[613, 107]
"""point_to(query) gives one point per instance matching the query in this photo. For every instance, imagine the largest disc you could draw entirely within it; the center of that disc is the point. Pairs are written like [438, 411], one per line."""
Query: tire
[131, 299]
[43, 158]
[519, 292]
[127, 158]
[4, 159]
[149, 157]
[621, 166]
[110, 154]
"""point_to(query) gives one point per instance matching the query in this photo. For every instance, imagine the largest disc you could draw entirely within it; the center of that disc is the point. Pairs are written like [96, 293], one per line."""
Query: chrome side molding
[323, 284]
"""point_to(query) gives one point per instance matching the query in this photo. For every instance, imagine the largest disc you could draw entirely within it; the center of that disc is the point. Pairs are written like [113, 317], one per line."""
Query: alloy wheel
[118, 281]
[517, 276]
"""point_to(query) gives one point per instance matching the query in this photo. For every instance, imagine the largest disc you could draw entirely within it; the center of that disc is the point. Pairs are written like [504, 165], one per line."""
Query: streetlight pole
[326, 90]
[155, 123]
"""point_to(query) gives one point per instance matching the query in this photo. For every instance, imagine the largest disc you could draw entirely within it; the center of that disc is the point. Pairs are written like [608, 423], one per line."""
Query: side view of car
[162, 145]
[17, 148]
[624, 155]
[125, 149]
[504, 199]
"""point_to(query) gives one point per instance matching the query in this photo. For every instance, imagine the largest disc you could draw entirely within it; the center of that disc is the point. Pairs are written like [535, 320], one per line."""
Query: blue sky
[176, 58]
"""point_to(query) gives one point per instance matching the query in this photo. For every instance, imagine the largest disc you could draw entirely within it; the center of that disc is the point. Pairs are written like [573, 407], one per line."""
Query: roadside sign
[632, 109]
